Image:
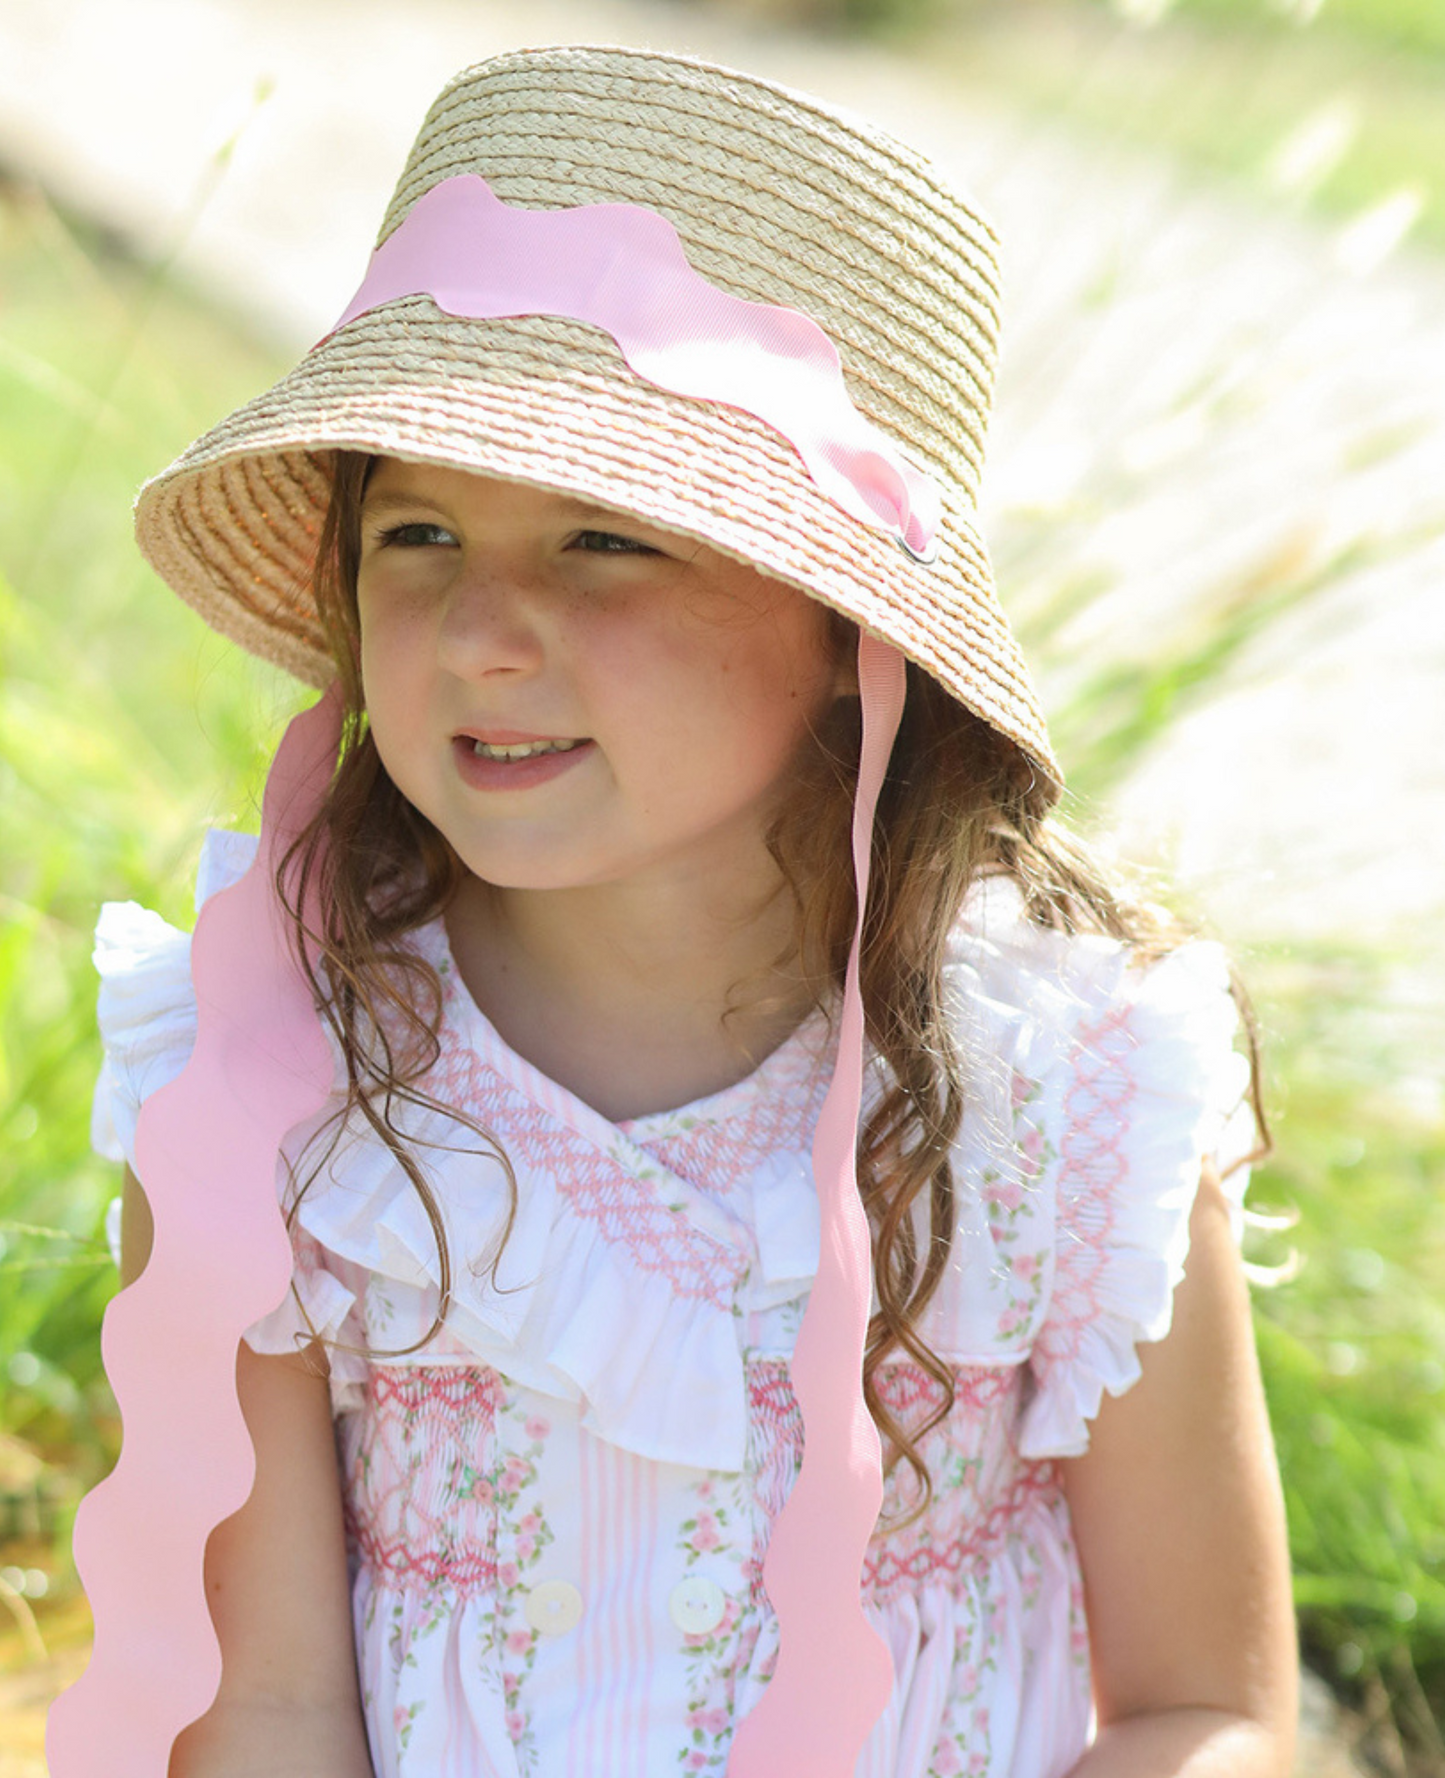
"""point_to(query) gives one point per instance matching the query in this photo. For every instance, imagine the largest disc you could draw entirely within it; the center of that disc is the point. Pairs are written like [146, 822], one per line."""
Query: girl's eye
[414, 535]
[613, 543]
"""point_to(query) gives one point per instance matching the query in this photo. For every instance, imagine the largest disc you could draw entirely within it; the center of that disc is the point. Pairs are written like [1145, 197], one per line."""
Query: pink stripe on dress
[646, 1529]
[604, 1609]
[630, 1753]
[579, 1750]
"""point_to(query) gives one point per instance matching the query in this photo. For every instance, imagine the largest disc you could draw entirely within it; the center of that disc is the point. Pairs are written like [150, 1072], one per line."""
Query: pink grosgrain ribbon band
[623, 268]
[206, 1153]
[834, 1674]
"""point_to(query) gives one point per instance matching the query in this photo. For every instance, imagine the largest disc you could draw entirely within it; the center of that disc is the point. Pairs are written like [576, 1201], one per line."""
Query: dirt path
[25, 1695]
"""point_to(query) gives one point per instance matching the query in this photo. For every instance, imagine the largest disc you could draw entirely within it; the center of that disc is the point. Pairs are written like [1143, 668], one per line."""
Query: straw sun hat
[776, 200]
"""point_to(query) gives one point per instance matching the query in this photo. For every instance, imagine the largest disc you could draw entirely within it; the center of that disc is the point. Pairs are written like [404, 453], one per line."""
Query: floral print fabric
[558, 1506]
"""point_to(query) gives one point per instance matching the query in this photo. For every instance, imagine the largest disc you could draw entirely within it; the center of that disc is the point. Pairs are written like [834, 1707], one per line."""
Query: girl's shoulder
[996, 950]
[1098, 1087]
[1065, 1007]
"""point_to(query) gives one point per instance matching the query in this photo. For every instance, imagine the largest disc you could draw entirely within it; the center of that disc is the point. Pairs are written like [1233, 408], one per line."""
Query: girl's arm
[1180, 1527]
[289, 1704]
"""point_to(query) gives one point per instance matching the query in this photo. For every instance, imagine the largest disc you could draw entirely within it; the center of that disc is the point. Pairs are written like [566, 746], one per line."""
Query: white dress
[558, 1507]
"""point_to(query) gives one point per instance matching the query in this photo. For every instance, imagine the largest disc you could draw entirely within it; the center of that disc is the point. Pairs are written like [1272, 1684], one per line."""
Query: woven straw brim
[233, 525]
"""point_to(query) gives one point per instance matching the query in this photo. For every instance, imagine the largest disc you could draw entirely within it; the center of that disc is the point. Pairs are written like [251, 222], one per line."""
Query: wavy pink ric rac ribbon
[834, 1674]
[623, 268]
[206, 1150]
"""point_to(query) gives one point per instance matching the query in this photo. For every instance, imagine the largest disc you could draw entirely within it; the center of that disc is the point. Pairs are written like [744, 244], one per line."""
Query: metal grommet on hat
[924, 556]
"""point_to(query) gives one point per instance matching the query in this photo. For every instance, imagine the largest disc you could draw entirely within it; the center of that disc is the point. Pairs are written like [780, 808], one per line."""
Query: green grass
[1415, 27]
[1411, 27]
[125, 728]
[1353, 1346]
[1334, 118]
[1354, 1355]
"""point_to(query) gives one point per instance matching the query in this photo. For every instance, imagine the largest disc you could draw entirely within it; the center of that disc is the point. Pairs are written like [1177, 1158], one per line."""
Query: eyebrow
[391, 502]
[394, 502]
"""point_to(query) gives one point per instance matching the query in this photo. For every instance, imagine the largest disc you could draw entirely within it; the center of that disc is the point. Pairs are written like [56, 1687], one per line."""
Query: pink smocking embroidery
[983, 1490]
[719, 1154]
[775, 1439]
[420, 1492]
[912, 1559]
[599, 1189]
[1093, 1167]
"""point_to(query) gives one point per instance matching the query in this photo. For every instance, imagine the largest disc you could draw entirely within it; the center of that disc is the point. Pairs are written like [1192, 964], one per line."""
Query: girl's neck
[636, 998]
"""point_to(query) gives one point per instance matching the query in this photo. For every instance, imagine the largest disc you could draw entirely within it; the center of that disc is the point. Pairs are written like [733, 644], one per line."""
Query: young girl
[688, 1326]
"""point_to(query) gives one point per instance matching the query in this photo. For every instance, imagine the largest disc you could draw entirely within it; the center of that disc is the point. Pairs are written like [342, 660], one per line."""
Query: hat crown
[776, 200]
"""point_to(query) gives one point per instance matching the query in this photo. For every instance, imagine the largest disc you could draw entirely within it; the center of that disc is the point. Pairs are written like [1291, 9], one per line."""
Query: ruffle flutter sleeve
[146, 1011]
[1147, 1090]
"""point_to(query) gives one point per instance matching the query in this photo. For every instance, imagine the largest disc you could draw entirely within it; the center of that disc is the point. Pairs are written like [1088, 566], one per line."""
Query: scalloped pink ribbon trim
[834, 1675]
[623, 268]
[222, 1259]
[206, 1150]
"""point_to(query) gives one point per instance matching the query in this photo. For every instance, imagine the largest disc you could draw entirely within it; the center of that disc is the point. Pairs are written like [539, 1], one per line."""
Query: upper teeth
[521, 749]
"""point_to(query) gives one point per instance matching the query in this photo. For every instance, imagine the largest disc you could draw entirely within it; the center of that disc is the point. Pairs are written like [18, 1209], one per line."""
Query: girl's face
[573, 697]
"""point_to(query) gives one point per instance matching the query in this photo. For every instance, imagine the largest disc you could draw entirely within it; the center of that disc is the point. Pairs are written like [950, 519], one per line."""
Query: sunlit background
[1217, 509]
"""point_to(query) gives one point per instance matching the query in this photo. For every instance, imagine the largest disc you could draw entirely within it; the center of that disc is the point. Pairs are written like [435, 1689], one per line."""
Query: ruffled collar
[587, 1263]
[729, 1131]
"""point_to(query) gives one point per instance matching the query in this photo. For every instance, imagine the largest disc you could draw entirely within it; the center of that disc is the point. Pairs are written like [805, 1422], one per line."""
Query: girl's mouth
[516, 765]
[520, 749]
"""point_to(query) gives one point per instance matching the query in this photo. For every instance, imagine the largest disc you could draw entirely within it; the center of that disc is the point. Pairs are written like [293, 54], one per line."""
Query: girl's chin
[509, 870]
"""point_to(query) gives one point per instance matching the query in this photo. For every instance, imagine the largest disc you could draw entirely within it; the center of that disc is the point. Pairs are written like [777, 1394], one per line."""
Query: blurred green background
[126, 728]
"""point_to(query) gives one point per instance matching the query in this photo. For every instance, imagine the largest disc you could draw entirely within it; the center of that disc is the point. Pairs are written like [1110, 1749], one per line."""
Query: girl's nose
[491, 624]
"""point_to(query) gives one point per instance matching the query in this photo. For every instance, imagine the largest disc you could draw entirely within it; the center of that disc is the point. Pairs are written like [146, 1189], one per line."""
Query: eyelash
[396, 535]
[596, 542]
[614, 543]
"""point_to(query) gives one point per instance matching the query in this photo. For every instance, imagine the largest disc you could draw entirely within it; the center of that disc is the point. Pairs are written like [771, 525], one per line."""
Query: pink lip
[506, 737]
[512, 774]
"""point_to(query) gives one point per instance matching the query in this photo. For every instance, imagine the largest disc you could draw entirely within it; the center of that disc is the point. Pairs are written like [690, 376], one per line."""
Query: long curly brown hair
[959, 802]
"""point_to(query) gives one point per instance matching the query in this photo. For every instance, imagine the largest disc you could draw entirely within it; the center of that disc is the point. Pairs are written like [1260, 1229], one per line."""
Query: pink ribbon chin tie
[206, 1152]
[834, 1675]
[623, 268]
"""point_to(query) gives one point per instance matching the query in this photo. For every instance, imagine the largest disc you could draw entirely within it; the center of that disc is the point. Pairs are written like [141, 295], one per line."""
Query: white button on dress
[697, 1605]
[553, 1607]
